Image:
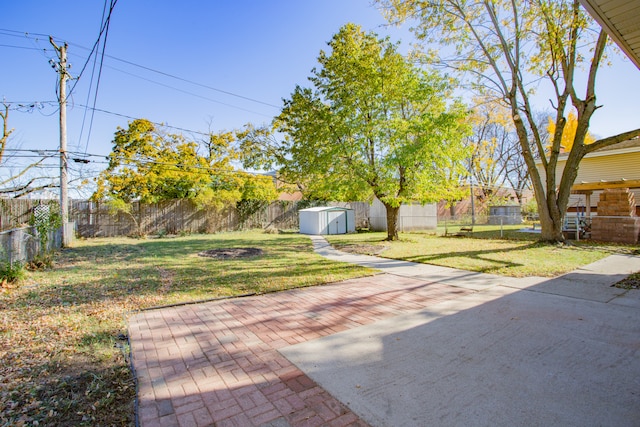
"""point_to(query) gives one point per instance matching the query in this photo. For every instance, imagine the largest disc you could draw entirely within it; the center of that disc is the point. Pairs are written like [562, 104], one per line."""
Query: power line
[104, 27]
[30, 150]
[37, 104]
[14, 33]
[173, 76]
[138, 118]
[187, 92]
[23, 47]
[26, 103]
[193, 82]
[104, 30]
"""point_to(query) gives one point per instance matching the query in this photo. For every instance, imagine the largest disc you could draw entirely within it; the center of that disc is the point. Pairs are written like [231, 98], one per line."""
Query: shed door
[337, 222]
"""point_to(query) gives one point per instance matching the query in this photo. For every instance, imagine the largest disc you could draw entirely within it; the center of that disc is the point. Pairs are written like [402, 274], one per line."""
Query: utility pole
[61, 67]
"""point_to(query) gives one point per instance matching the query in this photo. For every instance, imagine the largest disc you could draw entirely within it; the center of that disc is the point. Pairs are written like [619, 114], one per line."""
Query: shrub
[11, 273]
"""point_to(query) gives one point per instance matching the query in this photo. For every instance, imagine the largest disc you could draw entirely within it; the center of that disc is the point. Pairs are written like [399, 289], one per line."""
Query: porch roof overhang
[621, 20]
[589, 187]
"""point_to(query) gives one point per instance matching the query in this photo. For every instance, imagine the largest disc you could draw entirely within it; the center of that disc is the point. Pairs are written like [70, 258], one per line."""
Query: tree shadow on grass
[483, 255]
[478, 257]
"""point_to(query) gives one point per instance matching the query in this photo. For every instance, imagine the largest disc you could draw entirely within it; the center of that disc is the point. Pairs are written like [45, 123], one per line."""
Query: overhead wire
[138, 118]
[35, 104]
[15, 33]
[93, 109]
[88, 99]
[105, 30]
[153, 70]
[189, 93]
[104, 27]
[193, 82]
[21, 47]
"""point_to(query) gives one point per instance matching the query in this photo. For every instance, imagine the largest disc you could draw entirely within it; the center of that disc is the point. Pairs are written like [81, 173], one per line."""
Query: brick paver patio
[218, 363]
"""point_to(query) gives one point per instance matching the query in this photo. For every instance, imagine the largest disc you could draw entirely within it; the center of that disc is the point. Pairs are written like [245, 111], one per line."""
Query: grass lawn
[514, 254]
[62, 360]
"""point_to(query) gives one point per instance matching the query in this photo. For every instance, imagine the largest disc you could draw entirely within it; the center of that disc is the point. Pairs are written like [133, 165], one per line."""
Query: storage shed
[327, 220]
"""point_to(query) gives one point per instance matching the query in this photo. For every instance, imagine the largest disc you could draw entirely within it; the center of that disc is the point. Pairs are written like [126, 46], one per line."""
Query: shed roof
[325, 208]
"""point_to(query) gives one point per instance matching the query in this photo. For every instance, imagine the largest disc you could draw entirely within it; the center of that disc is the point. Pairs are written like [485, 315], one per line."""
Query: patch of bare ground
[231, 253]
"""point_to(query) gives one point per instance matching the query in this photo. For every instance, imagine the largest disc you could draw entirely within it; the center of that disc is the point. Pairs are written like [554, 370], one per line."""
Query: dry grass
[63, 331]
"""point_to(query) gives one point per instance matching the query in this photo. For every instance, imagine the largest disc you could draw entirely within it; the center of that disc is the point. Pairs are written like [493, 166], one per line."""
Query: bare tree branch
[5, 130]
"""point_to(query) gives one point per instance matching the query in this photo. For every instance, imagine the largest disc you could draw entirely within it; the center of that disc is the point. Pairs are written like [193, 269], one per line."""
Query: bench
[464, 230]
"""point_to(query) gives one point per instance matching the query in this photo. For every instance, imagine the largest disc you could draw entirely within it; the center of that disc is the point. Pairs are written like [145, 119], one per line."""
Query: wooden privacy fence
[93, 219]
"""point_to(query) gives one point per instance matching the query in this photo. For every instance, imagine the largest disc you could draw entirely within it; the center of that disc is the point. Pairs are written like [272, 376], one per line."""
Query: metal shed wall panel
[327, 220]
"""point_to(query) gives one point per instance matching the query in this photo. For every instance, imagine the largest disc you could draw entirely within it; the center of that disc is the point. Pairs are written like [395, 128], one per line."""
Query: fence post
[10, 248]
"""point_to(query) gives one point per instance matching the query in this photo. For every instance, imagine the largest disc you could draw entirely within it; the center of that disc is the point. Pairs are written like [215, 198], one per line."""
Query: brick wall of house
[616, 220]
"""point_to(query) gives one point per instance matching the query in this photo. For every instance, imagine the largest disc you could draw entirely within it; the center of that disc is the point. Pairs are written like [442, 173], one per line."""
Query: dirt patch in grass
[631, 282]
[231, 253]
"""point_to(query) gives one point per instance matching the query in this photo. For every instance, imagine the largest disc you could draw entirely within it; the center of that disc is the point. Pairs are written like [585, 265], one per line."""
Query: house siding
[594, 168]
[610, 168]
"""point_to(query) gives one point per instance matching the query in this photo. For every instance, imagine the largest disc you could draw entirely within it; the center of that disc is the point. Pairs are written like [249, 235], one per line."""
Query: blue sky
[253, 49]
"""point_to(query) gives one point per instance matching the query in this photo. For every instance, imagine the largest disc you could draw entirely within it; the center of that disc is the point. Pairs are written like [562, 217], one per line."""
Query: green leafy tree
[372, 125]
[225, 186]
[496, 161]
[148, 165]
[508, 48]
[258, 191]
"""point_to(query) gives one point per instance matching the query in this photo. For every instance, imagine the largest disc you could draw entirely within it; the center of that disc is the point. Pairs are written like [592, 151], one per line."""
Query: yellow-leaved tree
[568, 133]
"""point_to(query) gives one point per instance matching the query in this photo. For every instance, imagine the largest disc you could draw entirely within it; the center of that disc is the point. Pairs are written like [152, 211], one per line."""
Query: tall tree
[508, 47]
[372, 125]
[491, 144]
[496, 161]
[148, 165]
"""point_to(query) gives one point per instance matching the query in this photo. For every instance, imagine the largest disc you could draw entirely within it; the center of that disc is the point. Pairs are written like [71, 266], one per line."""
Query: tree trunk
[392, 222]
[551, 229]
